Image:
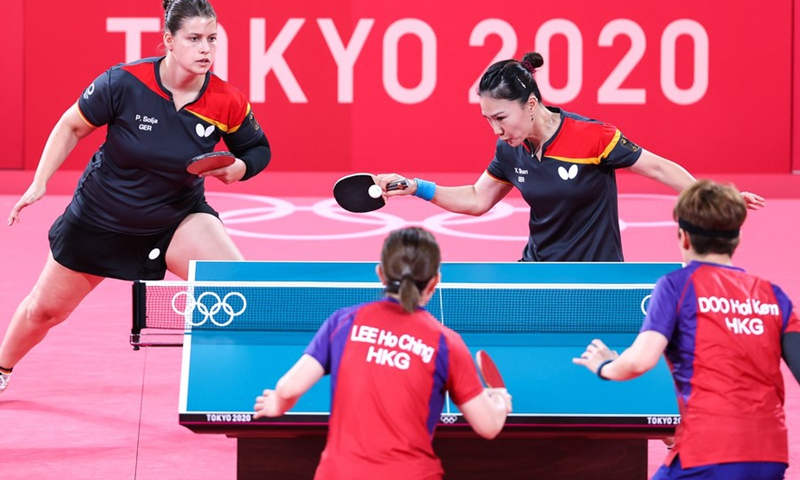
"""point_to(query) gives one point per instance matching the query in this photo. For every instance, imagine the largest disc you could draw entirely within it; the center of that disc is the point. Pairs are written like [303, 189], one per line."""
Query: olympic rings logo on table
[448, 418]
[209, 312]
[645, 303]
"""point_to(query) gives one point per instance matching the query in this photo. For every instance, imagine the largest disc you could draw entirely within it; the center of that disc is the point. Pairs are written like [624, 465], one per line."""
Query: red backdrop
[385, 86]
[11, 92]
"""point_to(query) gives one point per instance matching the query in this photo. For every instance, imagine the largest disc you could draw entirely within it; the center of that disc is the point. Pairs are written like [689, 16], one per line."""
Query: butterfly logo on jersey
[204, 132]
[568, 174]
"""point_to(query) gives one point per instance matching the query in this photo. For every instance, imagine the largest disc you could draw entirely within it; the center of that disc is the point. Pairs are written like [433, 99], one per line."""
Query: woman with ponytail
[381, 411]
[561, 162]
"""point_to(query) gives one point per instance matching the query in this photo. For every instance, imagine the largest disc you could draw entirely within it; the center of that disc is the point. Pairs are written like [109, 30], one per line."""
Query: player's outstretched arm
[301, 377]
[662, 170]
[474, 199]
[487, 412]
[791, 352]
[673, 175]
[637, 359]
[65, 135]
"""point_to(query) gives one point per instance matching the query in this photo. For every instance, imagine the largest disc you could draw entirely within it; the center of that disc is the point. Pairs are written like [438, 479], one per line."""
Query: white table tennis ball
[375, 191]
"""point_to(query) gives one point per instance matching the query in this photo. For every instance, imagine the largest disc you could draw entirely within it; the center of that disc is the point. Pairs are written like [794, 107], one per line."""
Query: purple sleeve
[331, 331]
[790, 336]
[787, 309]
[662, 310]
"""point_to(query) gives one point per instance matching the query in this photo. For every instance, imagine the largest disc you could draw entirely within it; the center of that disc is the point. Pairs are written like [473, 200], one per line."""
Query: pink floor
[84, 405]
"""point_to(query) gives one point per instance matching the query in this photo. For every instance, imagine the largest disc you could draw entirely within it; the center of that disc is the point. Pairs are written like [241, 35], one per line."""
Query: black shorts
[88, 249]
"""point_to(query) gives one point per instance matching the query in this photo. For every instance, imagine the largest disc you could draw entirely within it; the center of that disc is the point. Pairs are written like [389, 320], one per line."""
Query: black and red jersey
[572, 190]
[137, 181]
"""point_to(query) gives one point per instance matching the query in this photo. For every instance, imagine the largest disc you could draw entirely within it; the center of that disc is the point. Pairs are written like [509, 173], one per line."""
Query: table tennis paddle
[489, 372]
[209, 161]
[360, 193]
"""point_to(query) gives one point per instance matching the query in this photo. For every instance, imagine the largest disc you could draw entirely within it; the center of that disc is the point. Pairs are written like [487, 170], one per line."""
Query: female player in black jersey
[137, 212]
[561, 162]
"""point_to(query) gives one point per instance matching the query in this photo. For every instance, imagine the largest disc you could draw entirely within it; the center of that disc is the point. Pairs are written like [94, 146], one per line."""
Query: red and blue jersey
[572, 190]
[137, 180]
[389, 372]
[724, 328]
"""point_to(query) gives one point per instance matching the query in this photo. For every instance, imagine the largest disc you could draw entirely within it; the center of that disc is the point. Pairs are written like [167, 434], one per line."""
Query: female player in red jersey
[723, 332]
[391, 363]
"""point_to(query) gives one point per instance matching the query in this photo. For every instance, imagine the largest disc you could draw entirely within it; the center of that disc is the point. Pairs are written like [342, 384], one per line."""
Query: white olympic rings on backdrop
[381, 223]
[438, 223]
[275, 208]
[208, 312]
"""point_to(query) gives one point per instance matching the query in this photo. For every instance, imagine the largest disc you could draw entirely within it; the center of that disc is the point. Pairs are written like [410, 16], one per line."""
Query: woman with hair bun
[383, 413]
[561, 162]
[137, 212]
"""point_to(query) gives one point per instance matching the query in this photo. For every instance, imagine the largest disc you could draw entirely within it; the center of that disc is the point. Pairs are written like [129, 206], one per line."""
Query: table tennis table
[246, 323]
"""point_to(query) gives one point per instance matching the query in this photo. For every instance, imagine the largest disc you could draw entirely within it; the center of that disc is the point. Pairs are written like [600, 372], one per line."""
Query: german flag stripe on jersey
[213, 106]
[571, 188]
[148, 144]
[588, 143]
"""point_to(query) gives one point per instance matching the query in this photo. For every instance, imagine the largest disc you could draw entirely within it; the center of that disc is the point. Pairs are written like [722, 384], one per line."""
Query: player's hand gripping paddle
[489, 372]
[209, 161]
[359, 193]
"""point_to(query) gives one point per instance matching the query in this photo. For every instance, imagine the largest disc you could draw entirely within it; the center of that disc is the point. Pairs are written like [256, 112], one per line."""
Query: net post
[139, 303]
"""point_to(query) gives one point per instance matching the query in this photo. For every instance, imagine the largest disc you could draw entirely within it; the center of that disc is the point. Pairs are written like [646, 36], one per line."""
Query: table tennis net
[466, 308]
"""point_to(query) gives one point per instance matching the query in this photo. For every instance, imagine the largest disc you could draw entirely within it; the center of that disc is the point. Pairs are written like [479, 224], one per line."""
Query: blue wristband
[425, 189]
[600, 369]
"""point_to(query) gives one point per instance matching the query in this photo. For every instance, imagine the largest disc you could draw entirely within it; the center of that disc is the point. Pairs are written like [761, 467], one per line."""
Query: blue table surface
[224, 371]
[537, 369]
